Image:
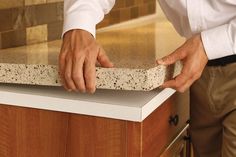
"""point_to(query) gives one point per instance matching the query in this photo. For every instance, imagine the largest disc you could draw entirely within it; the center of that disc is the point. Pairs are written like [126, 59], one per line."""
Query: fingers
[77, 61]
[186, 86]
[177, 84]
[90, 75]
[194, 59]
[77, 73]
[183, 81]
[62, 58]
[68, 74]
[103, 59]
[172, 58]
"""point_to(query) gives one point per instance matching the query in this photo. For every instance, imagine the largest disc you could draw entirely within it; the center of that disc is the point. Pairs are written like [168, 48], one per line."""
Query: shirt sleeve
[220, 41]
[85, 14]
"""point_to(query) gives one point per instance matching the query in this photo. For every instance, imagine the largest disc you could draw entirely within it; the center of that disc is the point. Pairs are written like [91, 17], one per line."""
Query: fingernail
[160, 61]
[69, 90]
[111, 65]
[161, 87]
[92, 91]
[82, 90]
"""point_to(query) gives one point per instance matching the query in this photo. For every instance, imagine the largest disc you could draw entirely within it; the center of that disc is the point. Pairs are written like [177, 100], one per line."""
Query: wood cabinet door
[161, 127]
[32, 133]
[96, 137]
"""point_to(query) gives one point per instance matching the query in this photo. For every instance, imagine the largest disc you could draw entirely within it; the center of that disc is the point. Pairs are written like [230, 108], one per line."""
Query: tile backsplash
[33, 21]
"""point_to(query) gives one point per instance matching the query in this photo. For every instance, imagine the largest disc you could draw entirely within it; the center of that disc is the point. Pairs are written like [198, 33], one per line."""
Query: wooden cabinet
[28, 132]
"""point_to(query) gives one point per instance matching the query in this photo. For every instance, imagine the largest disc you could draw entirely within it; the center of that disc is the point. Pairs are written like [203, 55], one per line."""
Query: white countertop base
[123, 105]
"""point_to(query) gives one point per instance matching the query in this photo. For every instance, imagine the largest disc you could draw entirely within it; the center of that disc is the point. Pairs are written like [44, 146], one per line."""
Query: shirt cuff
[79, 20]
[217, 43]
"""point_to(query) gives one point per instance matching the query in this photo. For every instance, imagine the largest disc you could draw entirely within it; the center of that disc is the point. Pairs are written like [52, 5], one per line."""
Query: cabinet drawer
[178, 147]
[164, 124]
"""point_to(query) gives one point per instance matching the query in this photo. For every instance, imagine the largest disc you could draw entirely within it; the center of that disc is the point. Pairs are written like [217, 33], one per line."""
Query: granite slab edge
[113, 78]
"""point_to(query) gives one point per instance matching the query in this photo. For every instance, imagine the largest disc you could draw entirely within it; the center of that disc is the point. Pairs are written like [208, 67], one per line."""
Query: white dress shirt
[214, 19]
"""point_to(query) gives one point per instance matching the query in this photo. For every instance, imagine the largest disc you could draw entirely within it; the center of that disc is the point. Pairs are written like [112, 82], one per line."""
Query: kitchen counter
[49, 121]
[132, 47]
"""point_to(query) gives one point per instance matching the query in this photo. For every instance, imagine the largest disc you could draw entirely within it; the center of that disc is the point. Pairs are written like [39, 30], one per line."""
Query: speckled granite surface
[132, 48]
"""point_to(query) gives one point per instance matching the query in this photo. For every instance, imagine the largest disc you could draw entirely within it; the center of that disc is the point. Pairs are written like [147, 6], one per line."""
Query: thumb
[172, 58]
[103, 59]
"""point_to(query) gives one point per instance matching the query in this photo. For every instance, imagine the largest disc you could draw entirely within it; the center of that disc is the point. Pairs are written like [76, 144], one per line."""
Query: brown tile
[151, 8]
[13, 38]
[36, 34]
[104, 23]
[129, 3]
[119, 4]
[12, 19]
[22, 17]
[134, 12]
[34, 2]
[147, 1]
[125, 14]
[43, 14]
[128, 9]
[5, 4]
[138, 2]
[60, 11]
[49, 13]
[6, 20]
[54, 1]
[29, 17]
[54, 30]
[18, 18]
[143, 10]
[0, 41]
[114, 17]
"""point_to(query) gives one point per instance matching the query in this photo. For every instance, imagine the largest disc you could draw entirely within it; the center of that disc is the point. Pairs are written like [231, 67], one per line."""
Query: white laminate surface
[123, 105]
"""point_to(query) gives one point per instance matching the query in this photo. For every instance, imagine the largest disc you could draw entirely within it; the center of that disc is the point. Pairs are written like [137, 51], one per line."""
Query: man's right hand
[77, 61]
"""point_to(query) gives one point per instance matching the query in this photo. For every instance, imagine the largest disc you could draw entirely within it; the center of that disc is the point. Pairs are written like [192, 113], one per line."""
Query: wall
[24, 22]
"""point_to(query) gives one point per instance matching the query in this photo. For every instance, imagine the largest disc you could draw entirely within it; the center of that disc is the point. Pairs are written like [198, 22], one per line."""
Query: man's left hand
[194, 58]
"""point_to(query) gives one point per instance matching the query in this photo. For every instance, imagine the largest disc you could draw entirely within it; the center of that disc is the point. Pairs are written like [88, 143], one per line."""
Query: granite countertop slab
[133, 48]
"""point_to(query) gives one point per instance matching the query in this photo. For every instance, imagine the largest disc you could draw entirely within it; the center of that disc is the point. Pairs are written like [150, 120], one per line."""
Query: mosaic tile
[36, 34]
[34, 2]
[5, 4]
[54, 1]
[15, 16]
[13, 38]
[54, 30]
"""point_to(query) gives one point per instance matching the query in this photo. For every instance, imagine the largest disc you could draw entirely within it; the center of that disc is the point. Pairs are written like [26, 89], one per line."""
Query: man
[208, 56]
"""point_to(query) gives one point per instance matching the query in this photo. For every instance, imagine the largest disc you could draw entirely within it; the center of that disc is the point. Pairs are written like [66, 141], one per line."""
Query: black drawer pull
[187, 138]
[188, 121]
[174, 120]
